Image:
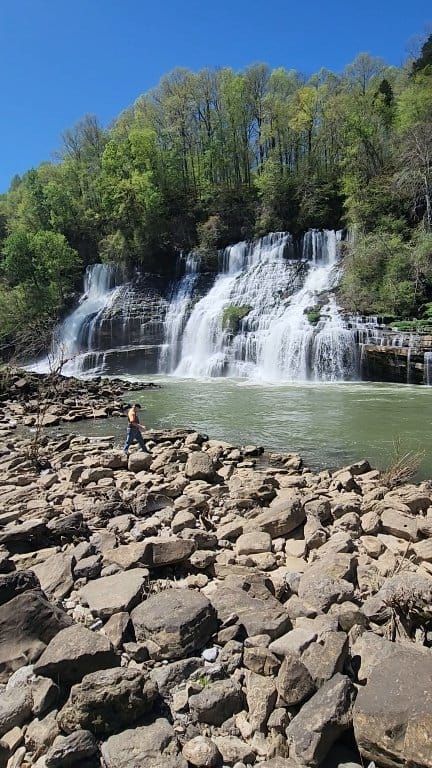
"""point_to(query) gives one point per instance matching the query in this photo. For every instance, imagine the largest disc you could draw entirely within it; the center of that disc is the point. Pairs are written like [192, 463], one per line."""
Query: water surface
[328, 424]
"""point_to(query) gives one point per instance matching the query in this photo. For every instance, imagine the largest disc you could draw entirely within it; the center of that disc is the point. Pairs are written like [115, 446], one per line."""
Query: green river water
[328, 424]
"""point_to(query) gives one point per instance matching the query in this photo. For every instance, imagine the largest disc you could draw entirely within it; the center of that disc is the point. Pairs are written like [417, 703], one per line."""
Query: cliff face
[398, 359]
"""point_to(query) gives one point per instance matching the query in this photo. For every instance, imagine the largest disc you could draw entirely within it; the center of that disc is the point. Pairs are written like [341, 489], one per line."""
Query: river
[328, 424]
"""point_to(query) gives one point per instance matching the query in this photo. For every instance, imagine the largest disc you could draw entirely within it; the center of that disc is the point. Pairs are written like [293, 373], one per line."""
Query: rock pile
[209, 606]
[31, 399]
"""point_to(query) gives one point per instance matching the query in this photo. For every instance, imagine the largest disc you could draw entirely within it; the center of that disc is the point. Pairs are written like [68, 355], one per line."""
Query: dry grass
[403, 466]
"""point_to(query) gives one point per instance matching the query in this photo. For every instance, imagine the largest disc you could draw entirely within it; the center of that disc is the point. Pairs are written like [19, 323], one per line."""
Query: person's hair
[137, 405]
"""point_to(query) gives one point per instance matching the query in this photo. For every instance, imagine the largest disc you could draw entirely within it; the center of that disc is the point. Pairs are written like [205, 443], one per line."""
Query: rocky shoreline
[206, 605]
[40, 400]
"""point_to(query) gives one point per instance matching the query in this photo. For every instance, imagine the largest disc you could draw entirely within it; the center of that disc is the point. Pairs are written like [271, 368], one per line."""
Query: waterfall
[77, 334]
[428, 369]
[175, 317]
[267, 288]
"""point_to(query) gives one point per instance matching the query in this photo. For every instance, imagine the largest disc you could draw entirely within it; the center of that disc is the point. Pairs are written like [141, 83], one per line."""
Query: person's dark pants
[133, 433]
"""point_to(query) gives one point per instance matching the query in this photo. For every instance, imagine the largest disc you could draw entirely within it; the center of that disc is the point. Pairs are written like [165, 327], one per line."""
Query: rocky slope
[206, 605]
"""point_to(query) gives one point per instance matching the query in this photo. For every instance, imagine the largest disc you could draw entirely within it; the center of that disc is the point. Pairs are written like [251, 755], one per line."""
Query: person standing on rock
[134, 430]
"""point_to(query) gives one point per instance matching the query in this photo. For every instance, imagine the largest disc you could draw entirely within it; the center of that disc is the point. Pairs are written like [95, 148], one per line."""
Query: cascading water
[176, 314]
[268, 290]
[75, 337]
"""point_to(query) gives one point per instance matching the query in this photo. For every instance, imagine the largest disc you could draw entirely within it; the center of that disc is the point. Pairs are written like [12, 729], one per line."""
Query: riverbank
[46, 400]
[209, 605]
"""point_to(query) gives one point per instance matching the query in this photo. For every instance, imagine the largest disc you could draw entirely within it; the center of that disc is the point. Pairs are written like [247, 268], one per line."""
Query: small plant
[403, 466]
[313, 314]
[232, 317]
[204, 680]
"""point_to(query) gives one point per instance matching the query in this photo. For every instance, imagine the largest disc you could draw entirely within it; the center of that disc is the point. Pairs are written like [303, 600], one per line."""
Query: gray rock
[71, 750]
[321, 721]
[234, 750]
[258, 616]
[153, 746]
[88, 567]
[117, 628]
[326, 657]
[282, 517]
[202, 752]
[261, 695]
[139, 460]
[400, 525]
[111, 594]
[253, 542]
[169, 551]
[320, 590]
[55, 575]
[73, 653]
[27, 624]
[200, 466]
[106, 700]
[368, 651]
[217, 702]
[171, 675]
[295, 641]
[393, 712]
[406, 592]
[294, 682]
[261, 660]
[16, 582]
[178, 621]
[68, 527]
[15, 707]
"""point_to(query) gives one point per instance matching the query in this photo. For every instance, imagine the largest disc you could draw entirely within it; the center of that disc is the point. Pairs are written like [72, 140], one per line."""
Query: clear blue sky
[61, 59]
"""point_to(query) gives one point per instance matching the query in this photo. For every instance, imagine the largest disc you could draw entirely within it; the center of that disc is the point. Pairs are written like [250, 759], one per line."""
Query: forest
[210, 158]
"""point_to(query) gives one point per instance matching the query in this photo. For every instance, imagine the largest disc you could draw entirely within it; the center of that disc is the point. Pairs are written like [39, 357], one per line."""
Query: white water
[275, 341]
[175, 317]
[77, 333]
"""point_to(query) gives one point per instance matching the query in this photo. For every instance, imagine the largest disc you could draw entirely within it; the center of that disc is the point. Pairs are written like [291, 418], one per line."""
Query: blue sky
[62, 59]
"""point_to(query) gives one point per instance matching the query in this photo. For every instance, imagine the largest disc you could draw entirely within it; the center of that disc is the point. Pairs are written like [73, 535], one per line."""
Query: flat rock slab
[73, 653]
[153, 746]
[393, 712]
[178, 621]
[112, 594]
[321, 721]
[106, 700]
[27, 624]
[258, 616]
[15, 708]
[55, 575]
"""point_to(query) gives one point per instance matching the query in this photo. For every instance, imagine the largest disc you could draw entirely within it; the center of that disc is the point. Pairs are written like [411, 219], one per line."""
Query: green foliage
[232, 317]
[213, 157]
[313, 315]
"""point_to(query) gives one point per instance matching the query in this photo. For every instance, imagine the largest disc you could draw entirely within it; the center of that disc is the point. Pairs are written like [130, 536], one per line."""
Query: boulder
[27, 624]
[393, 712]
[261, 695]
[251, 543]
[71, 750]
[55, 575]
[295, 641]
[73, 653]
[217, 702]
[16, 582]
[178, 621]
[321, 721]
[106, 700]
[68, 527]
[152, 745]
[261, 661]
[169, 551]
[202, 752]
[326, 657]
[408, 593]
[320, 591]
[258, 616]
[139, 461]
[170, 675]
[15, 707]
[234, 750]
[200, 466]
[112, 594]
[128, 555]
[398, 524]
[294, 683]
[282, 517]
